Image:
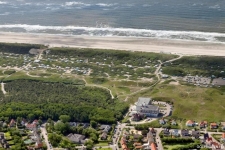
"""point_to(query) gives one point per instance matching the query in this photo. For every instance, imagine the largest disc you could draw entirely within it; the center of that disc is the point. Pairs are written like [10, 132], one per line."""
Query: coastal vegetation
[206, 66]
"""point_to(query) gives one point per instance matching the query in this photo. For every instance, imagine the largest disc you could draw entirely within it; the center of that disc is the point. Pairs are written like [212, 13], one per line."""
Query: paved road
[44, 133]
[158, 140]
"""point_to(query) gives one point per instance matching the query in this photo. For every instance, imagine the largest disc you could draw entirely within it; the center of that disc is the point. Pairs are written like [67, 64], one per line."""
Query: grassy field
[171, 147]
[190, 102]
[104, 149]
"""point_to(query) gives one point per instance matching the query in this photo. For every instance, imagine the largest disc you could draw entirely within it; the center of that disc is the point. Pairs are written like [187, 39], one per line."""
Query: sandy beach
[118, 43]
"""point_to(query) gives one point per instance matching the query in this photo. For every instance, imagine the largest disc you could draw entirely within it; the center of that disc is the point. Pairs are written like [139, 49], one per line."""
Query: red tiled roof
[213, 124]
[138, 147]
[153, 146]
[189, 122]
[31, 125]
[209, 139]
[223, 135]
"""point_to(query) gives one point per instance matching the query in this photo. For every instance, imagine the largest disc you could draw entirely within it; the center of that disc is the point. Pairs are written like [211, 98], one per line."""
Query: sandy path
[3, 88]
[120, 43]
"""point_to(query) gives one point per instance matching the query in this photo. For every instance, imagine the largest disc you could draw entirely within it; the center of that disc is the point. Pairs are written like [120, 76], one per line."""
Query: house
[166, 132]
[223, 137]
[12, 123]
[162, 121]
[216, 146]
[195, 134]
[73, 124]
[153, 146]
[173, 122]
[30, 126]
[213, 125]
[175, 133]
[223, 125]
[76, 138]
[136, 117]
[190, 123]
[184, 133]
[203, 124]
[105, 128]
[104, 136]
[144, 107]
[138, 146]
[209, 141]
[123, 144]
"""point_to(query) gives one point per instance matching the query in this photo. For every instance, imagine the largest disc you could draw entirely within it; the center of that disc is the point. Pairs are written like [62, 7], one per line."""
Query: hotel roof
[143, 101]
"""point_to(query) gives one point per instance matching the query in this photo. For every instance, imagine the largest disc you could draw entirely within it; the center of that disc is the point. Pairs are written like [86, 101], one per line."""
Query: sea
[200, 20]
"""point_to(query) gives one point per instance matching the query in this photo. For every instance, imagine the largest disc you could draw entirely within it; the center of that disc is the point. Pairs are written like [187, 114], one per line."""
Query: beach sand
[118, 43]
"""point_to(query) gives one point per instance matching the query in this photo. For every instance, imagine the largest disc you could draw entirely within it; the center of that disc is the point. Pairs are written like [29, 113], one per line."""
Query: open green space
[189, 102]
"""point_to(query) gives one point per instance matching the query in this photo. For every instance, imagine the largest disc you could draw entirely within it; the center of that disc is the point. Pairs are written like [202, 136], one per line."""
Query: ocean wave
[1, 3]
[129, 32]
[75, 3]
[5, 14]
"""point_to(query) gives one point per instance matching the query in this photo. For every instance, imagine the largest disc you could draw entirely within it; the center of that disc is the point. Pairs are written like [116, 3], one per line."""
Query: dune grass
[190, 102]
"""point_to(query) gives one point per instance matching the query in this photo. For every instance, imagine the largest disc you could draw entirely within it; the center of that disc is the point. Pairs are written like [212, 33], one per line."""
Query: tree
[93, 124]
[61, 127]
[64, 118]
[31, 117]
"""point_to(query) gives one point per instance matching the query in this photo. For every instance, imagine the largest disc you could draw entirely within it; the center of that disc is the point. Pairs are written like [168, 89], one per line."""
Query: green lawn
[102, 144]
[170, 147]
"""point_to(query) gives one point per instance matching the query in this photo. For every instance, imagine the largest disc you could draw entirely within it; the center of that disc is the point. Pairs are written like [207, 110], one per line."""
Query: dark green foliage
[9, 72]
[32, 99]
[18, 48]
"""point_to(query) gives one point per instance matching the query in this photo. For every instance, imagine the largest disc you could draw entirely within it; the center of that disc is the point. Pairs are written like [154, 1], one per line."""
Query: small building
[216, 145]
[162, 121]
[209, 141]
[185, 133]
[206, 136]
[190, 123]
[203, 124]
[223, 137]
[76, 138]
[213, 125]
[195, 134]
[166, 132]
[12, 123]
[105, 128]
[173, 122]
[153, 146]
[223, 125]
[175, 133]
[104, 136]
[136, 117]
[30, 126]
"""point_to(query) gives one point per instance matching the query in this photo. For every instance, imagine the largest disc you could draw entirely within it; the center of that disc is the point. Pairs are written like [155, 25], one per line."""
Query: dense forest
[34, 99]
[18, 48]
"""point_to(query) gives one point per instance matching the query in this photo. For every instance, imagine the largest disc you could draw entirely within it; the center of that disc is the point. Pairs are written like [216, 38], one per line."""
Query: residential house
[136, 117]
[76, 138]
[23, 122]
[153, 146]
[12, 123]
[185, 133]
[162, 121]
[216, 146]
[123, 144]
[30, 126]
[104, 136]
[73, 124]
[213, 125]
[190, 123]
[195, 134]
[166, 132]
[105, 128]
[203, 124]
[223, 125]
[173, 122]
[209, 141]
[144, 107]
[175, 133]
[138, 146]
[223, 137]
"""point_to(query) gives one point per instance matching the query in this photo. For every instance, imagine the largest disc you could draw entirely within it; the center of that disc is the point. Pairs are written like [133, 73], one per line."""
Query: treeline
[32, 99]
[18, 48]
[114, 54]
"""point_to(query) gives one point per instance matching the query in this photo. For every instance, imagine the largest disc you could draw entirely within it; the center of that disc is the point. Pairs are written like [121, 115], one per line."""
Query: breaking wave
[125, 32]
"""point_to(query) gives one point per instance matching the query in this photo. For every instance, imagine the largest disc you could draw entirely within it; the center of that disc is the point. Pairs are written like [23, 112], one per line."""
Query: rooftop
[144, 101]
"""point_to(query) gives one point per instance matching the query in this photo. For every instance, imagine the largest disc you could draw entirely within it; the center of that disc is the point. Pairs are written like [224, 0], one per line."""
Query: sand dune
[119, 43]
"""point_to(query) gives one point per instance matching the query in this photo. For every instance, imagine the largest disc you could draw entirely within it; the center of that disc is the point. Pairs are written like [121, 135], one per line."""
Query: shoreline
[143, 44]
